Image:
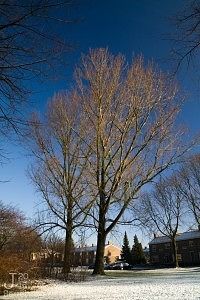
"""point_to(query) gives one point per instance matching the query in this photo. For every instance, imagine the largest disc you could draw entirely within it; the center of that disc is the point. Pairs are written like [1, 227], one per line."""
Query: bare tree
[162, 211]
[17, 241]
[59, 170]
[31, 43]
[186, 40]
[131, 112]
[189, 185]
[11, 221]
[16, 236]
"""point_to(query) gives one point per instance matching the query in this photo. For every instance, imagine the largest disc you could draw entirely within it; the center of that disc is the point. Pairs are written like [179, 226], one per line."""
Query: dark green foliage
[137, 254]
[126, 251]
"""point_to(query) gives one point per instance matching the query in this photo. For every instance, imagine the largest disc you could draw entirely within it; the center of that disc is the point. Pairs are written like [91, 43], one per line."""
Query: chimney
[154, 235]
[108, 242]
[92, 245]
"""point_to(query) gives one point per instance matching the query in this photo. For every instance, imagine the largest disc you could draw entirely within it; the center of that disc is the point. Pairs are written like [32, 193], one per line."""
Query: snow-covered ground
[183, 284]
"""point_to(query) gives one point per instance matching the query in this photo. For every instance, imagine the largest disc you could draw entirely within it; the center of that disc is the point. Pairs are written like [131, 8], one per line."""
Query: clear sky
[130, 27]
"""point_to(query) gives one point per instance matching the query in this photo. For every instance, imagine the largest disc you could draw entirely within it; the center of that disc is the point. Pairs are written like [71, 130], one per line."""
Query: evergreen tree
[137, 254]
[126, 251]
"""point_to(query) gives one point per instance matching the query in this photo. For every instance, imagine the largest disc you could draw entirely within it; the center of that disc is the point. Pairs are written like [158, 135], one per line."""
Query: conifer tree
[137, 254]
[126, 251]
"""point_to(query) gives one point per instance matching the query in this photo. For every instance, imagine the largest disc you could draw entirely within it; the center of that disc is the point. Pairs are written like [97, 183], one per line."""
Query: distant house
[188, 249]
[86, 255]
[81, 256]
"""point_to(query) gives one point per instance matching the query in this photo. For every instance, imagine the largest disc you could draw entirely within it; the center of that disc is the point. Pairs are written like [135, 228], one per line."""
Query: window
[179, 257]
[167, 246]
[192, 256]
[155, 258]
[153, 248]
[167, 259]
[191, 243]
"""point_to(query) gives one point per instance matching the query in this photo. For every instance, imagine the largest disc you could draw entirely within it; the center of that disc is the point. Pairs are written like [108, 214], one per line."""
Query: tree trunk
[174, 249]
[99, 261]
[101, 239]
[68, 239]
[67, 252]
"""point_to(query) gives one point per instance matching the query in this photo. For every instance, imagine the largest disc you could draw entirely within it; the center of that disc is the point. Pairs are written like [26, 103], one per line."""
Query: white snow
[171, 284]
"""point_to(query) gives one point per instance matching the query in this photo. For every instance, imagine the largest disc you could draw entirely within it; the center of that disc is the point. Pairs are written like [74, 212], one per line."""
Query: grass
[150, 273]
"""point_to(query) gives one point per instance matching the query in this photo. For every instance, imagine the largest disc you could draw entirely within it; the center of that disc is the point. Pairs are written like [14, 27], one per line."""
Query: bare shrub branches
[30, 45]
[186, 38]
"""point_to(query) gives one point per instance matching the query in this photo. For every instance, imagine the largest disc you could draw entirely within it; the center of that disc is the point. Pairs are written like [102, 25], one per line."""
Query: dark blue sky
[131, 27]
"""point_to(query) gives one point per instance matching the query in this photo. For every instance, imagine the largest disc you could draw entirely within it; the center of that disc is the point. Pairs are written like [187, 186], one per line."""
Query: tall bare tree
[59, 170]
[162, 211]
[130, 112]
[189, 185]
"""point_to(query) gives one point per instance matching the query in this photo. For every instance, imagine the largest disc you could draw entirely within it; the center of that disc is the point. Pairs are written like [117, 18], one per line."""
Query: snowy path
[165, 284]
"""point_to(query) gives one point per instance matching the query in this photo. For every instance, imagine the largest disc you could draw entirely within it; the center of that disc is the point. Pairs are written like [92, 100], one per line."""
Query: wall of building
[86, 258]
[188, 252]
[112, 252]
[81, 256]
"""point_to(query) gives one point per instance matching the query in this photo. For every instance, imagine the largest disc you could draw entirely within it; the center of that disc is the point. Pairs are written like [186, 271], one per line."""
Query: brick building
[86, 255]
[81, 256]
[188, 249]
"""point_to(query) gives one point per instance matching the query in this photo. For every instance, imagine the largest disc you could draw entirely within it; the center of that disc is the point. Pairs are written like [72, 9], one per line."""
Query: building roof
[160, 240]
[190, 235]
[92, 248]
[86, 249]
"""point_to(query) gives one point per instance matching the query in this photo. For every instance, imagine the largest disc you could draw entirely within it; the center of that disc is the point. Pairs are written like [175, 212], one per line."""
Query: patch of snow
[176, 284]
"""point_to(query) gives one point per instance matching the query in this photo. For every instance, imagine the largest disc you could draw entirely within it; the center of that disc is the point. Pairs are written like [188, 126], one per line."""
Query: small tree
[189, 185]
[126, 251]
[161, 211]
[137, 254]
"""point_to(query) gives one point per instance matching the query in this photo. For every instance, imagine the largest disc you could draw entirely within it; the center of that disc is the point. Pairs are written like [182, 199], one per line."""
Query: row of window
[183, 246]
[192, 256]
[85, 254]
